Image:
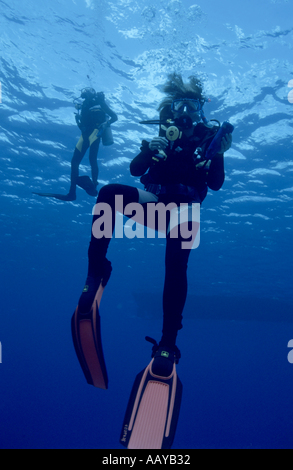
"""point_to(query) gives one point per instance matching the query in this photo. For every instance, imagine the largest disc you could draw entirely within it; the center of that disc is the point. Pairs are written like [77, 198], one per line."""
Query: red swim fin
[86, 335]
[153, 410]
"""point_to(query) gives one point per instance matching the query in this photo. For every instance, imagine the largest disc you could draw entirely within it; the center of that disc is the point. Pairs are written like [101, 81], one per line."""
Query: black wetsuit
[89, 122]
[94, 112]
[182, 177]
[89, 119]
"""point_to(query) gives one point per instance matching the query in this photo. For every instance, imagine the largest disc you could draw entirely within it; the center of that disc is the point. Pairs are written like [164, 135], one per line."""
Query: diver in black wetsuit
[171, 171]
[93, 123]
[92, 119]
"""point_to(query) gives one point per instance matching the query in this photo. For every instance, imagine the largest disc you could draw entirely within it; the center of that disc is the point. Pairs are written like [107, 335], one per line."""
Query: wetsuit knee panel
[79, 144]
[94, 136]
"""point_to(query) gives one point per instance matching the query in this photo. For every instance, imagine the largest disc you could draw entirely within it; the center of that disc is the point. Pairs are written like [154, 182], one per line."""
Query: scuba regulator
[173, 128]
[174, 131]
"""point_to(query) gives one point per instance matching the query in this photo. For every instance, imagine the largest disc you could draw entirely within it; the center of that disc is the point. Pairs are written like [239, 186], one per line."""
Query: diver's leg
[78, 155]
[93, 155]
[97, 262]
[175, 289]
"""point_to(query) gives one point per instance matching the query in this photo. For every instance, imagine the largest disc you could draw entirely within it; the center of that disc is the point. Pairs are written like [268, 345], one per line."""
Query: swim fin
[61, 197]
[86, 335]
[153, 409]
[83, 182]
[86, 183]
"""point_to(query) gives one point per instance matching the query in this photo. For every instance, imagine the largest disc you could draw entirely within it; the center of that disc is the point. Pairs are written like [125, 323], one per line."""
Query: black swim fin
[86, 183]
[60, 197]
[83, 182]
[153, 409]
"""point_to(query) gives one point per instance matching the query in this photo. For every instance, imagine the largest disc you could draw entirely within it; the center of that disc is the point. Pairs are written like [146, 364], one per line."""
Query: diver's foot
[86, 183]
[68, 197]
[164, 358]
[164, 361]
[88, 294]
[92, 283]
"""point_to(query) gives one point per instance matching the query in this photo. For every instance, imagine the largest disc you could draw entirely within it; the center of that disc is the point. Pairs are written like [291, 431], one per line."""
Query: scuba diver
[174, 167]
[93, 120]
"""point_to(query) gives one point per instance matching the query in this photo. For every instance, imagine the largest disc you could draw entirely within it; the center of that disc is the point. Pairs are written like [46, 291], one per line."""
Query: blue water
[238, 318]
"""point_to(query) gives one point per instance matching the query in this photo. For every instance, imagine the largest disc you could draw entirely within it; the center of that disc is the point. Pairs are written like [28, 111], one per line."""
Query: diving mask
[88, 93]
[191, 106]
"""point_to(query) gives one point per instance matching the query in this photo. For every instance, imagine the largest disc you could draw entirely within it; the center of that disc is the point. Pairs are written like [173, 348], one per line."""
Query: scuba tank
[107, 136]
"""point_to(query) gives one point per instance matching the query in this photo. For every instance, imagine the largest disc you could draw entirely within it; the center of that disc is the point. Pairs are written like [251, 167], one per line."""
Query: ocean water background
[238, 318]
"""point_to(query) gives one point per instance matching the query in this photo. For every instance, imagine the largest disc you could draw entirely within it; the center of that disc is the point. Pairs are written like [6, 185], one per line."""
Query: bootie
[164, 358]
[92, 284]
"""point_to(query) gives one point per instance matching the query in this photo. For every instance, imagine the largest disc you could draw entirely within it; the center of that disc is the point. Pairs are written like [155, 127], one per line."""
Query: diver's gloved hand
[226, 143]
[158, 143]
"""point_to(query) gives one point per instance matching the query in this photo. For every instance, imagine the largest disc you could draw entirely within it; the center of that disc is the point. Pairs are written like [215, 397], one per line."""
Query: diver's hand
[226, 143]
[103, 126]
[158, 143]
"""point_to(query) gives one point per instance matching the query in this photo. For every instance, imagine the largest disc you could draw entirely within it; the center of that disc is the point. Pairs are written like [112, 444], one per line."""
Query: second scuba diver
[92, 119]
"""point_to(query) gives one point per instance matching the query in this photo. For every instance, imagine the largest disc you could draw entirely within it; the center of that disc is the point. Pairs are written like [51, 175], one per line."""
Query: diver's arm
[216, 174]
[141, 163]
[110, 113]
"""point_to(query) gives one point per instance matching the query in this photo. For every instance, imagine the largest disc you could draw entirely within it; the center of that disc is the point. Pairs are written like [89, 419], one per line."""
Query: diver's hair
[176, 89]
